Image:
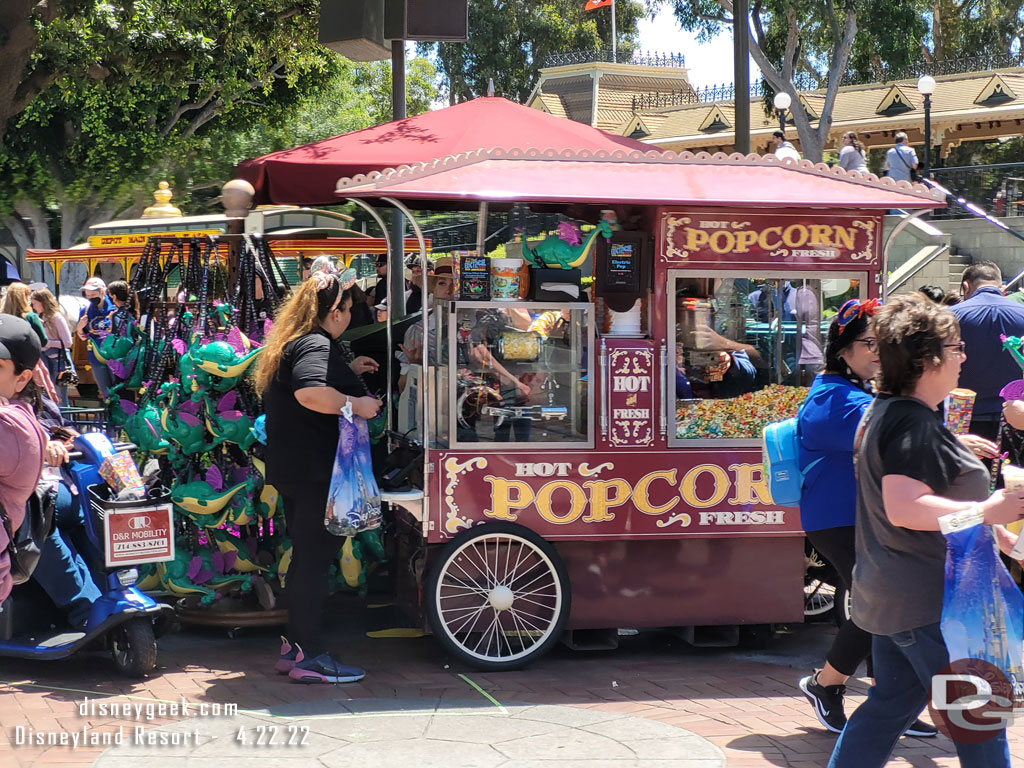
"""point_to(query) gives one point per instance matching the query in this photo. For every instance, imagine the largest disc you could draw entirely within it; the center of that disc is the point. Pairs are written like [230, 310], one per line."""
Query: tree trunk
[18, 39]
[812, 140]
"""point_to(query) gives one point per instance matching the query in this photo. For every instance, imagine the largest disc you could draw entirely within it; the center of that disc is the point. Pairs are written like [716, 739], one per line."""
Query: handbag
[27, 541]
[67, 374]
[353, 502]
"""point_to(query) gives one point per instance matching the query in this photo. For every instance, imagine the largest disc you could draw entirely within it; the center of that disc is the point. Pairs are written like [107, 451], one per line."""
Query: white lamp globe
[782, 100]
[926, 85]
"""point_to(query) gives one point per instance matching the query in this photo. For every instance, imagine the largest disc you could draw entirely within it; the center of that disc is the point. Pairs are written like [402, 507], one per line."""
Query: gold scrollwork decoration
[453, 470]
[673, 253]
[683, 518]
[868, 254]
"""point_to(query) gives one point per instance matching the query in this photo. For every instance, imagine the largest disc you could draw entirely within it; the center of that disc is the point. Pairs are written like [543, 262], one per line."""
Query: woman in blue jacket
[828, 423]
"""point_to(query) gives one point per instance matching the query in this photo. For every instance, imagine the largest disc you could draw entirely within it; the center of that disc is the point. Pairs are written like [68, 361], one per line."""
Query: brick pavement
[746, 703]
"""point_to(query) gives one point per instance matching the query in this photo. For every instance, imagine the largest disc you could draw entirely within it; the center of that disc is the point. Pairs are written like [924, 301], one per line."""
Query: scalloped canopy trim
[419, 170]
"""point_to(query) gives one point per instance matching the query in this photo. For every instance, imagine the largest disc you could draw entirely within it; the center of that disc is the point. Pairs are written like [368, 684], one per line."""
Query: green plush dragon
[557, 252]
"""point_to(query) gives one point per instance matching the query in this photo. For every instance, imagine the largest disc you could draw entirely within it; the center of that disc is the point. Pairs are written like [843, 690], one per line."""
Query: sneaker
[290, 654]
[324, 669]
[827, 702]
[921, 729]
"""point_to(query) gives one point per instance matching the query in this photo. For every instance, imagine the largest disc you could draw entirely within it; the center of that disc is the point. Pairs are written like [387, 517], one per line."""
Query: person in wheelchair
[61, 571]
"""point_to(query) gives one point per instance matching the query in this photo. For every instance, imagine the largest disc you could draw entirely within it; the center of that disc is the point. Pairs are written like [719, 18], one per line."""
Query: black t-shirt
[301, 443]
[913, 441]
[898, 580]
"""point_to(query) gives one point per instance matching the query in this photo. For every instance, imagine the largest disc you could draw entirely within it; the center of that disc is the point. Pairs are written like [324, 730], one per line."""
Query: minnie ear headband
[345, 280]
[855, 308]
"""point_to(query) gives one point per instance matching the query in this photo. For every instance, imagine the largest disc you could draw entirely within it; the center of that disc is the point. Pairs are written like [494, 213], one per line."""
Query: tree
[974, 28]
[163, 74]
[357, 96]
[509, 41]
[822, 40]
[21, 78]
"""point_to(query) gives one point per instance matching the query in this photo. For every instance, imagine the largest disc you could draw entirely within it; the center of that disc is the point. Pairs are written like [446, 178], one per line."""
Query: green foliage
[178, 89]
[510, 39]
[356, 96]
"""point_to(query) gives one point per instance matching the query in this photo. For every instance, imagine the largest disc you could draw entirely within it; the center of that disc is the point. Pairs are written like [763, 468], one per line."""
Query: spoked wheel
[133, 647]
[819, 597]
[498, 596]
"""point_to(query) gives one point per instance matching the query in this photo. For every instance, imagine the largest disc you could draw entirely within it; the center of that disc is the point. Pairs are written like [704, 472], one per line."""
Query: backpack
[780, 454]
[27, 542]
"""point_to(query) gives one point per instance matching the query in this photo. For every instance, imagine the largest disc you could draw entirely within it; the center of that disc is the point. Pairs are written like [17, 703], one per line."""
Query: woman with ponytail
[308, 379]
[852, 156]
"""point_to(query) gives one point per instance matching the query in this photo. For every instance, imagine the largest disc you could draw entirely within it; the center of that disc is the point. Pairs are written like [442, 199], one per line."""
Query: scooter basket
[100, 501]
[129, 547]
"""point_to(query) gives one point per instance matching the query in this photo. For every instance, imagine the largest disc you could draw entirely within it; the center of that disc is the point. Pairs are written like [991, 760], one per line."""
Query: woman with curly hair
[915, 479]
[308, 379]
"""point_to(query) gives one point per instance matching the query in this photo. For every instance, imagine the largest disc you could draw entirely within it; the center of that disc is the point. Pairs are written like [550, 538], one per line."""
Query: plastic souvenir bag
[353, 504]
[982, 609]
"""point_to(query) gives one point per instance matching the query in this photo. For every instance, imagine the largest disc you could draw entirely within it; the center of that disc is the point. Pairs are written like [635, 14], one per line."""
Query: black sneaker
[921, 729]
[827, 702]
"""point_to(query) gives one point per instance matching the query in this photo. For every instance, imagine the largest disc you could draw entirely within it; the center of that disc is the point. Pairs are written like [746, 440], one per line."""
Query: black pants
[313, 551]
[852, 644]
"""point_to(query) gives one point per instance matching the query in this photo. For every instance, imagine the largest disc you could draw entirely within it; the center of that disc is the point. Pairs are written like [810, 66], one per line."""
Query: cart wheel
[133, 647]
[498, 596]
[844, 605]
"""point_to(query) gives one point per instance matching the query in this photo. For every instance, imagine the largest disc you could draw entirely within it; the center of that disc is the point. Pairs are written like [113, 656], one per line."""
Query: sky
[707, 63]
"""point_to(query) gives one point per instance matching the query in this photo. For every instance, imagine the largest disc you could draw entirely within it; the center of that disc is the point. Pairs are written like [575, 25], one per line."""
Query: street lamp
[782, 101]
[926, 87]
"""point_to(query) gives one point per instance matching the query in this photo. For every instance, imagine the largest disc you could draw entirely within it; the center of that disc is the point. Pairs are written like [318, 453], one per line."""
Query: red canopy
[307, 175]
[636, 178]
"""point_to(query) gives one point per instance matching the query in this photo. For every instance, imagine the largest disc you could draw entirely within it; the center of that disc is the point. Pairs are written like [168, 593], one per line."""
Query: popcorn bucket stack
[959, 409]
[120, 473]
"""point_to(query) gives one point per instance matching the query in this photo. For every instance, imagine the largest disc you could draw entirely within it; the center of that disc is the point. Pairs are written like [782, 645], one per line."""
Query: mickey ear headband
[856, 308]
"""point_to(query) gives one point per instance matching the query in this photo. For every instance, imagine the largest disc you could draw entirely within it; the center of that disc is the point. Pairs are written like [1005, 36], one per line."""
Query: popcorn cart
[593, 462]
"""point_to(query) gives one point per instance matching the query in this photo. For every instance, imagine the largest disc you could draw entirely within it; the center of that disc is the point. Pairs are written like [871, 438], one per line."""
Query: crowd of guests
[901, 161]
[878, 404]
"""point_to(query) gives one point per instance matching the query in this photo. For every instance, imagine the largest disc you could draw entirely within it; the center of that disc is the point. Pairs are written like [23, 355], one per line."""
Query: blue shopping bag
[353, 504]
[982, 607]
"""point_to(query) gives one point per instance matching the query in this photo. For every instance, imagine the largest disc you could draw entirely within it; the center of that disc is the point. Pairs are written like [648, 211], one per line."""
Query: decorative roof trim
[895, 102]
[996, 91]
[451, 162]
[714, 121]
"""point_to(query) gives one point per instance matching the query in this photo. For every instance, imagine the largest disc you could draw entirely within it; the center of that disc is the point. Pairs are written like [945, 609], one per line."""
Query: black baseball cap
[18, 342]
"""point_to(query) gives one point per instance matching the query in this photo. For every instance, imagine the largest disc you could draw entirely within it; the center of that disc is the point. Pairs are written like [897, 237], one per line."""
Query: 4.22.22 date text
[272, 735]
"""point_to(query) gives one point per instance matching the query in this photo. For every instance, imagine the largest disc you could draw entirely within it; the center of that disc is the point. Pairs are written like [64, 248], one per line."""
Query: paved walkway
[415, 707]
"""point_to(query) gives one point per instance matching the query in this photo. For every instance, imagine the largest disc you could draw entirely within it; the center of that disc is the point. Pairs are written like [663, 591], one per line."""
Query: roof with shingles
[856, 108]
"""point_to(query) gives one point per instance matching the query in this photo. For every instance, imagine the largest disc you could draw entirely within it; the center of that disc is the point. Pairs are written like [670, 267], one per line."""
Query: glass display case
[519, 373]
[746, 346]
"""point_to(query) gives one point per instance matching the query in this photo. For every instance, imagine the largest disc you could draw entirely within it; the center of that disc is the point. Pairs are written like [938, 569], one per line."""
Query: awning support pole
[384, 229]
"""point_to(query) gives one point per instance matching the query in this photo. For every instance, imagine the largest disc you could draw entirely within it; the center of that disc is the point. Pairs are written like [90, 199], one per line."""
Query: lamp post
[782, 101]
[926, 87]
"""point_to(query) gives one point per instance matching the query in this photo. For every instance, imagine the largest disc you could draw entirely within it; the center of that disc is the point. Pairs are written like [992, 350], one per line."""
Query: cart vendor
[307, 379]
[440, 287]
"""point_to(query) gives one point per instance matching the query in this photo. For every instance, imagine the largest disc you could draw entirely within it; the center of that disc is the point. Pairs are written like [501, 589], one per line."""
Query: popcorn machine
[596, 464]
